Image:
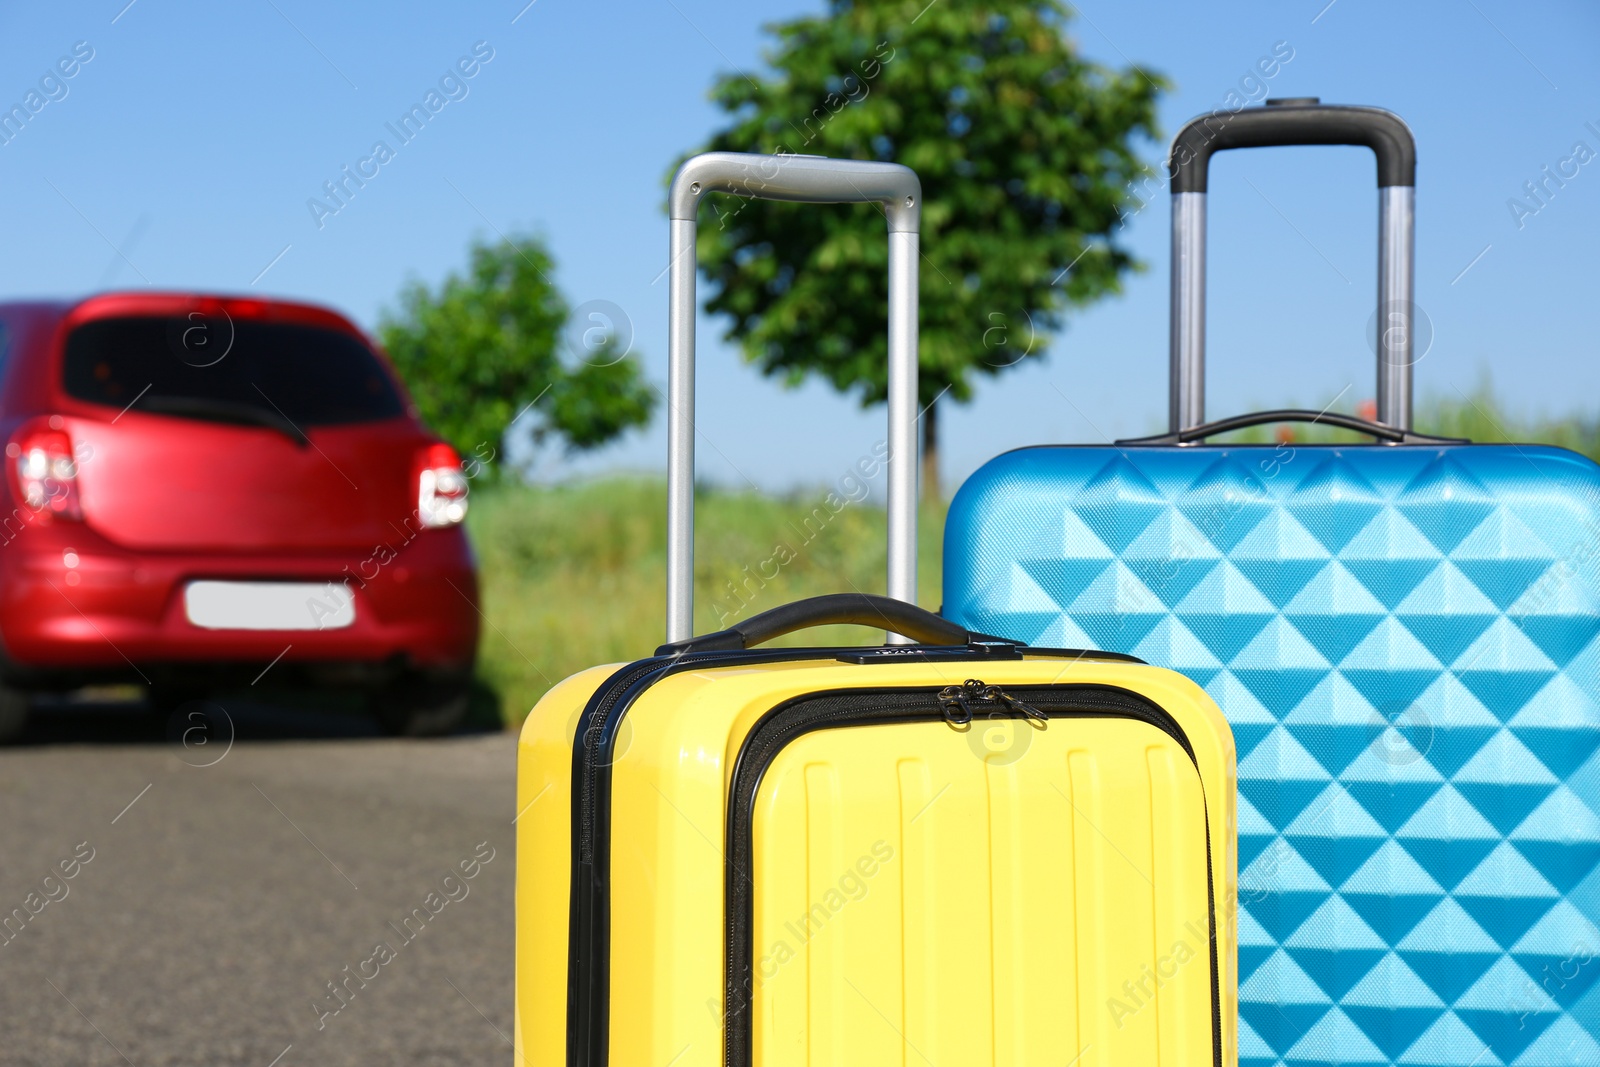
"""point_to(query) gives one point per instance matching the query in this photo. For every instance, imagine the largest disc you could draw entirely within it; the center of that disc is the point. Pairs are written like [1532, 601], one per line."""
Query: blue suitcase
[1403, 637]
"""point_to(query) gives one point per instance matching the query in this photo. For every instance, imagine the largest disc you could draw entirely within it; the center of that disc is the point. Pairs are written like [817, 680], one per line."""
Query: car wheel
[14, 706]
[422, 707]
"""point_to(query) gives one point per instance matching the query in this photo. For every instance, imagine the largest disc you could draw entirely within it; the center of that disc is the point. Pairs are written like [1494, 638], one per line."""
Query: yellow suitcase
[953, 852]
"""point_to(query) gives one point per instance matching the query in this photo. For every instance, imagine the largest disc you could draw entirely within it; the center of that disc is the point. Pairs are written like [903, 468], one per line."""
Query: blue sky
[183, 154]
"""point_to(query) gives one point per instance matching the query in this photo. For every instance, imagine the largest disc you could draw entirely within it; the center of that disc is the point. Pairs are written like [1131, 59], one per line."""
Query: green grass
[1479, 420]
[573, 576]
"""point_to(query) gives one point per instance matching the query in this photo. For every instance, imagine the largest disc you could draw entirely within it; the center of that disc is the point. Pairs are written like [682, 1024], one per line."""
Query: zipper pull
[993, 694]
[1026, 709]
[953, 702]
[956, 701]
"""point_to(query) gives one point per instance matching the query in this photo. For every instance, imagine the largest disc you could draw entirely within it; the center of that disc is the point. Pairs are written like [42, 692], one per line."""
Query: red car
[208, 491]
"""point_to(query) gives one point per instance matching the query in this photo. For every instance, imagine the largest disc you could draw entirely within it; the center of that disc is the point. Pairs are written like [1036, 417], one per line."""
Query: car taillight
[44, 472]
[441, 487]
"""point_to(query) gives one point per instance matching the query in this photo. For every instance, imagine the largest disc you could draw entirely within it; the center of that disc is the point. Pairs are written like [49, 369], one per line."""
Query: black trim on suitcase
[589, 920]
[845, 708]
[589, 923]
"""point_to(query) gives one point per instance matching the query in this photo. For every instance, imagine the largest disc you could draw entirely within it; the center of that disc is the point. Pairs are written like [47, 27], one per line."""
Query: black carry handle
[862, 609]
[1393, 436]
[1293, 122]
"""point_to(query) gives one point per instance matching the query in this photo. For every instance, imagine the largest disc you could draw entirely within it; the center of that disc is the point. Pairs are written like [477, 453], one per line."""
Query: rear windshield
[214, 368]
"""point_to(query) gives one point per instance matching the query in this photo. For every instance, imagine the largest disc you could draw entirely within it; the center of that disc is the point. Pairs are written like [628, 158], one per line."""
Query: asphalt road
[217, 903]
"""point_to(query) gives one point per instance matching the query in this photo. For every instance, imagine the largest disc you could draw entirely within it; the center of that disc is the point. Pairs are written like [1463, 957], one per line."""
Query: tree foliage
[483, 346]
[1027, 157]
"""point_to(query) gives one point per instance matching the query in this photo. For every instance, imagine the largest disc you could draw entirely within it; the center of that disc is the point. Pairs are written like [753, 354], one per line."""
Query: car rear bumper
[72, 603]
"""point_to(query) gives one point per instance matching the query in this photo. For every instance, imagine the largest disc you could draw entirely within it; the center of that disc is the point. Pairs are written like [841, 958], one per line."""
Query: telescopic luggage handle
[1293, 122]
[813, 180]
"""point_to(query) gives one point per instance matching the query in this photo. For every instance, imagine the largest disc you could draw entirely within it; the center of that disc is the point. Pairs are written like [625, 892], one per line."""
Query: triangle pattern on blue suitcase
[1405, 642]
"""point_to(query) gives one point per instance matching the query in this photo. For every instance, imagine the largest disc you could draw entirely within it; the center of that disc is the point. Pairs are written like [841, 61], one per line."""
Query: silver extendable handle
[1187, 399]
[807, 179]
[1294, 123]
[1396, 325]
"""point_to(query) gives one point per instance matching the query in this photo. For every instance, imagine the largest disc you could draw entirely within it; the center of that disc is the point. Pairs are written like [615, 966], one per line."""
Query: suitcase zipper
[588, 977]
[871, 707]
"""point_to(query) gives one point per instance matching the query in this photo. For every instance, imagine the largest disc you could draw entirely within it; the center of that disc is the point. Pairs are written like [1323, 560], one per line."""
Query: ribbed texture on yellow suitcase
[915, 901]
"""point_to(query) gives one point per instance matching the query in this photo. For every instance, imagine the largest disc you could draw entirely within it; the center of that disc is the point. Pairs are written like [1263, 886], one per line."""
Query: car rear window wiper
[224, 411]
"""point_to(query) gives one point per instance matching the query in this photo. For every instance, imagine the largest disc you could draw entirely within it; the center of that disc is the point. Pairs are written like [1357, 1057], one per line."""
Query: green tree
[1027, 158]
[484, 346]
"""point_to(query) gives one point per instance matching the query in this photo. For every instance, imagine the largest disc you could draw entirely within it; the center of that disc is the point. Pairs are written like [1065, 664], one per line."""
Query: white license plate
[269, 605]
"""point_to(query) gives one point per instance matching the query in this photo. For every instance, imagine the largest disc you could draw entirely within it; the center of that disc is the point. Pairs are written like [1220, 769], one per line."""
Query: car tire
[423, 707]
[14, 707]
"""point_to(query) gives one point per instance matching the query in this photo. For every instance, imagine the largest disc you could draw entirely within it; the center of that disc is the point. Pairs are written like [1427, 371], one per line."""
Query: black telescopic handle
[1293, 123]
[862, 609]
[1196, 434]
